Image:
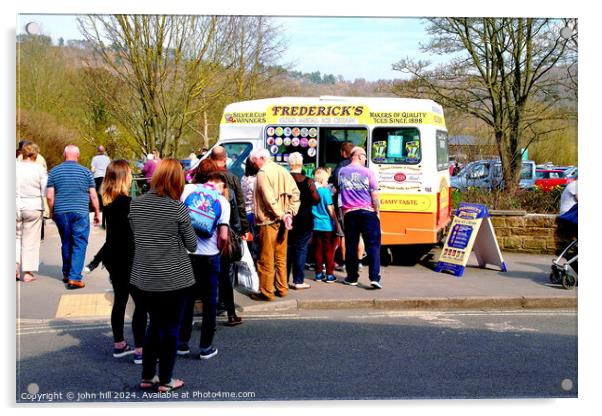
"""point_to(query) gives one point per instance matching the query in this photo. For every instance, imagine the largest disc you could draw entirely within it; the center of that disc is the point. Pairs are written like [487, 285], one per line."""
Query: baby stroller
[564, 267]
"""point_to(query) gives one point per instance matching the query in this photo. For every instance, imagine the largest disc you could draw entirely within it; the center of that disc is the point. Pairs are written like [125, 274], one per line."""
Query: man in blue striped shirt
[71, 188]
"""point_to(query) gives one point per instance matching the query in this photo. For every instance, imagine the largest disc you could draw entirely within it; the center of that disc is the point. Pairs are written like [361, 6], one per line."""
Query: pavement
[524, 286]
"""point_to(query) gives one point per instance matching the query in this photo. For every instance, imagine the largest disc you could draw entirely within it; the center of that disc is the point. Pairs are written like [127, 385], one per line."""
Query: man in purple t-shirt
[149, 167]
[358, 189]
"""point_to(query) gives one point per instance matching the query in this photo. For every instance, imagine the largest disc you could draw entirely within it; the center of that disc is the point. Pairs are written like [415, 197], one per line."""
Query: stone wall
[529, 233]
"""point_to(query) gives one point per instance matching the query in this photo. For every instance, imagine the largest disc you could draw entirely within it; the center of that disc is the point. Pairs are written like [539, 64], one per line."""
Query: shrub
[530, 200]
[47, 133]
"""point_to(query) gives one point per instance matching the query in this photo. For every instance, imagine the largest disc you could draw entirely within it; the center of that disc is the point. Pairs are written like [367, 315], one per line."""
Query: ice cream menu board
[281, 141]
[471, 231]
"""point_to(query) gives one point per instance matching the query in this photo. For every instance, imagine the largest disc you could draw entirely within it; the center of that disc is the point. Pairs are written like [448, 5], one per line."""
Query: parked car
[547, 179]
[487, 175]
[186, 164]
[571, 172]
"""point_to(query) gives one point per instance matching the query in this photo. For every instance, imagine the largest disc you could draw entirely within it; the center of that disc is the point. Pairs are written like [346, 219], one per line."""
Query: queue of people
[156, 253]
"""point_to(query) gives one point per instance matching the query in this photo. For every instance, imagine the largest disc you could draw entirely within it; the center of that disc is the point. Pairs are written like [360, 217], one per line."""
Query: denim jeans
[206, 273]
[367, 224]
[297, 254]
[74, 229]
[165, 310]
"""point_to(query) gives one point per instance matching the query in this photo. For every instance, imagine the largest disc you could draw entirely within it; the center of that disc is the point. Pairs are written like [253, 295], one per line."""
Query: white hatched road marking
[439, 318]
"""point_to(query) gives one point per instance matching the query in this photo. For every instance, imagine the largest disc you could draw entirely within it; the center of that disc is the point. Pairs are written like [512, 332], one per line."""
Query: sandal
[174, 384]
[29, 277]
[149, 384]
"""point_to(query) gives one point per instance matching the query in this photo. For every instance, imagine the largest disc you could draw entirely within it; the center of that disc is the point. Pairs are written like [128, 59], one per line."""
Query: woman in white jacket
[31, 187]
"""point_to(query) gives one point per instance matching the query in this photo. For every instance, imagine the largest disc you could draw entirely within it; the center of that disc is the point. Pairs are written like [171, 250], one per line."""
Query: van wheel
[386, 256]
[409, 255]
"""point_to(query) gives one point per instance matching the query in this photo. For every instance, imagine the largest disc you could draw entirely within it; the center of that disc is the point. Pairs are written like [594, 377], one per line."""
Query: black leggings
[121, 291]
[166, 310]
[98, 183]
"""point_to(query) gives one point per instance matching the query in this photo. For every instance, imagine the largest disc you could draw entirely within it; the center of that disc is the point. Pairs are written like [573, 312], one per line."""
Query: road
[320, 355]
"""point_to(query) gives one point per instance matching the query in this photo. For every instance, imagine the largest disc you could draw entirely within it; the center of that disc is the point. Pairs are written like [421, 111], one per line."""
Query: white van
[405, 140]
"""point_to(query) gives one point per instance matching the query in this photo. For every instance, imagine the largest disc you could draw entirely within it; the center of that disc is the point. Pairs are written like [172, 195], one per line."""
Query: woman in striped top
[161, 273]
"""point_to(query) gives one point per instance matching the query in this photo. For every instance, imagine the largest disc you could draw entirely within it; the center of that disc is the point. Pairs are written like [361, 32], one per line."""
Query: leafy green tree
[500, 71]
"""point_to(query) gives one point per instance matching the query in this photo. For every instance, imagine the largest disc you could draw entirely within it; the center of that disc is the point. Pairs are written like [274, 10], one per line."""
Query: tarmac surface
[525, 285]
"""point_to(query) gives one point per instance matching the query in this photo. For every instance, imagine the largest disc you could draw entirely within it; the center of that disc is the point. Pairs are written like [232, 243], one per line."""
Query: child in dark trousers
[324, 228]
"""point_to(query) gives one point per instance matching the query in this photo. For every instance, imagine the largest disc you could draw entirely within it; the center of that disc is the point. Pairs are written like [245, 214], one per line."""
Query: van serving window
[396, 145]
[331, 139]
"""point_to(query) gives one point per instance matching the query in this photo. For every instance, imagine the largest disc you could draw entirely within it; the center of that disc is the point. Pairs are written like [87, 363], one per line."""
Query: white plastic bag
[246, 274]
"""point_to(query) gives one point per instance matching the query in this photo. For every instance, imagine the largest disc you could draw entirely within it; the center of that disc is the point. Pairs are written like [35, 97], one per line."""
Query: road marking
[507, 327]
[35, 327]
[32, 327]
[546, 312]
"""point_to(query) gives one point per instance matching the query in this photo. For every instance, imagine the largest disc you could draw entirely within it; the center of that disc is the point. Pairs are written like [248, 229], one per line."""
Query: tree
[500, 72]
[168, 69]
[315, 77]
[570, 32]
[257, 45]
[41, 75]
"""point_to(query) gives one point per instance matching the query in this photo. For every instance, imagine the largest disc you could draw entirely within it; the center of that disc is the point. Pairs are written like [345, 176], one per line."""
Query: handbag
[246, 275]
[232, 250]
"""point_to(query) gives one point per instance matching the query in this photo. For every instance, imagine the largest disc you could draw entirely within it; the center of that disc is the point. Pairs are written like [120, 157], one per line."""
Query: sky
[354, 47]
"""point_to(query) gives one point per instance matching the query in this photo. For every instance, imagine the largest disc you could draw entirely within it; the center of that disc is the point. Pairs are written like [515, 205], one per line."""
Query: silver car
[487, 174]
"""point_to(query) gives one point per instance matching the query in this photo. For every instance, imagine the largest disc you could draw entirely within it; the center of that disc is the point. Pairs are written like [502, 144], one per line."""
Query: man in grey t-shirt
[99, 167]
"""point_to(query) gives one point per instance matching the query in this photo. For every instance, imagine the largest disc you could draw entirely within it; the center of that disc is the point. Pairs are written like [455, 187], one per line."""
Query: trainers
[65, 279]
[137, 358]
[90, 267]
[330, 279]
[339, 267]
[233, 321]
[208, 353]
[360, 267]
[183, 350]
[375, 284]
[347, 282]
[319, 277]
[75, 284]
[299, 286]
[122, 352]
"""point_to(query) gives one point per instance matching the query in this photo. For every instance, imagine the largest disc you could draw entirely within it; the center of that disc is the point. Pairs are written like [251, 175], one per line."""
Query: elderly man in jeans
[71, 188]
[358, 189]
[277, 200]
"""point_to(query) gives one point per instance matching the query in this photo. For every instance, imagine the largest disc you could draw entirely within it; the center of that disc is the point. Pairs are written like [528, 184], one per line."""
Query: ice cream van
[405, 141]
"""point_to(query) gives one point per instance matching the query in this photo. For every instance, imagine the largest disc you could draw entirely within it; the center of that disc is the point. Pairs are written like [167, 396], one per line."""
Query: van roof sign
[335, 110]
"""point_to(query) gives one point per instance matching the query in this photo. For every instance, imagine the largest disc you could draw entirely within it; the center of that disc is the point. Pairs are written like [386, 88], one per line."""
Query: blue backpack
[204, 209]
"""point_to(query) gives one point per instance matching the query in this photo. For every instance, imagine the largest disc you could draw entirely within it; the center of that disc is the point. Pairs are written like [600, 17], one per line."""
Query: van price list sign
[471, 231]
